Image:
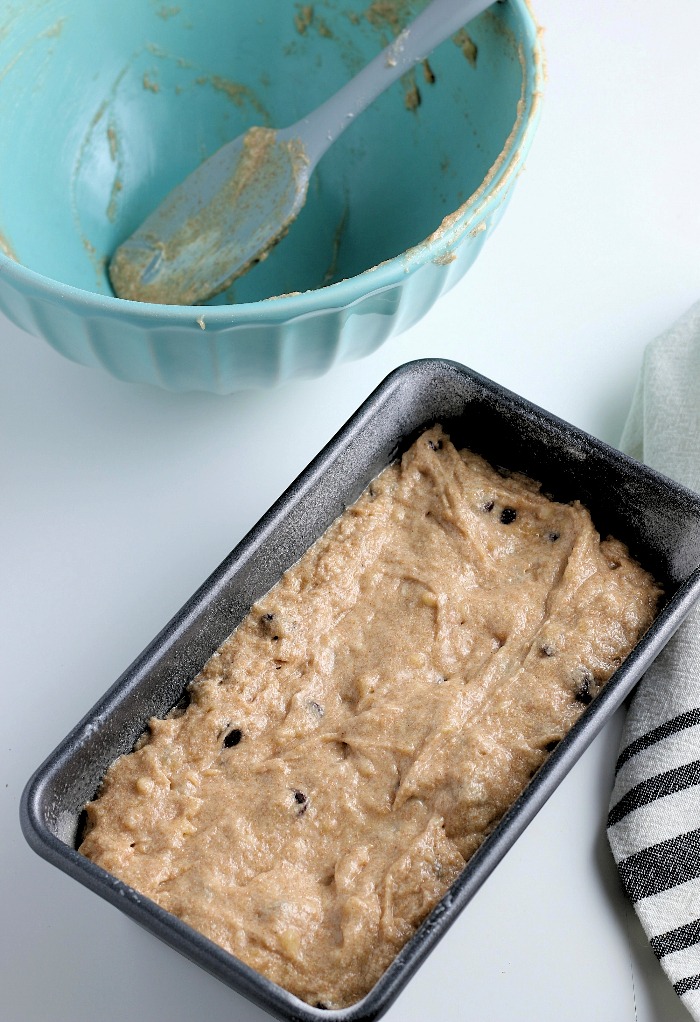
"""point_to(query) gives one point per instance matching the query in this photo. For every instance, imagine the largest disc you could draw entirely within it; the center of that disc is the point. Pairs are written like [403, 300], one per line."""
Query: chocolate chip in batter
[488, 506]
[302, 801]
[547, 650]
[435, 445]
[266, 624]
[508, 515]
[553, 537]
[583, 692]
[233, 738]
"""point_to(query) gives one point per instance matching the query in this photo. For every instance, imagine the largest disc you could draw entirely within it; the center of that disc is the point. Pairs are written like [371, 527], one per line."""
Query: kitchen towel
[654, 819]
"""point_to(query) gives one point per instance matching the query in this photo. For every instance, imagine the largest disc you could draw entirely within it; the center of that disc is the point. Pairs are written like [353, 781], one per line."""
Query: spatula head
[223, 218]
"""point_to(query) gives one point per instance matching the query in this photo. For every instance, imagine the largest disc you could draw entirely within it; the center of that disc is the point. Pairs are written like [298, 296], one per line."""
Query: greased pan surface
[659, 520]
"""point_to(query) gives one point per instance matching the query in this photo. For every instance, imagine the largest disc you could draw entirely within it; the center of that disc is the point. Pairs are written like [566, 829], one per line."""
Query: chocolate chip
[583, 692]
[547, 650]
[435, 446]
[553, 537]
[508, 515]
[267, 626]
[488, 506]
[302, 801]
[232, 738]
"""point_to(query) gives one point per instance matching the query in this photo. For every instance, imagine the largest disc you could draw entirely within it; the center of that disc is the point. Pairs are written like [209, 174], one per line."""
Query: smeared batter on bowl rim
[356, 738]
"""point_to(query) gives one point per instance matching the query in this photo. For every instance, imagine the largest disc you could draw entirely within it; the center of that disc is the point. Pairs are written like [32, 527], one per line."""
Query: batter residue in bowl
[194, 275]
[356, 738]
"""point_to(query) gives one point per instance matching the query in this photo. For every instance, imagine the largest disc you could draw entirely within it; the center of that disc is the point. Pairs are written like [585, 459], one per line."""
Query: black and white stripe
[688, 719]
[654, 826]
[660, 785]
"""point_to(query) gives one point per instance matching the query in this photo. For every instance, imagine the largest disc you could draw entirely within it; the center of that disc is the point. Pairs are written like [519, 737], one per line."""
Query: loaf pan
[657, 519]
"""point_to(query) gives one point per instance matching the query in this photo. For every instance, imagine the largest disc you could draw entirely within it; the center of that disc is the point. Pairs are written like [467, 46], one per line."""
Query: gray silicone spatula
[229, 213]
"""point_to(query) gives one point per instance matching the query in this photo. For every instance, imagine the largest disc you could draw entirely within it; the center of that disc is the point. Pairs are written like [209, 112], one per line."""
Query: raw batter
[352, 743]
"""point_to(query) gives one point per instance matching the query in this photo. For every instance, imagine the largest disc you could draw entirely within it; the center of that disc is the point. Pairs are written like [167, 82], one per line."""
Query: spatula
[229, 213]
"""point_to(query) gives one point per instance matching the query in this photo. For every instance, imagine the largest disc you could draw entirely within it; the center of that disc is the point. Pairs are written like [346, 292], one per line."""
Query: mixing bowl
[105, 107]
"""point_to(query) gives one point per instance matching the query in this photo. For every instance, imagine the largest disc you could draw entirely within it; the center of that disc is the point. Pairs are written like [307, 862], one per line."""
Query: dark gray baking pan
[659, 520]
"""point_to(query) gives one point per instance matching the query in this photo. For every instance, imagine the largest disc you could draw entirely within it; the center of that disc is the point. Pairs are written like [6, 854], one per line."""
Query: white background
[118, 500]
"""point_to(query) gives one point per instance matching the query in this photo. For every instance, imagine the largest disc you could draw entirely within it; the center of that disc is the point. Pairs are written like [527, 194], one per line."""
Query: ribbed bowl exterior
[223, 358]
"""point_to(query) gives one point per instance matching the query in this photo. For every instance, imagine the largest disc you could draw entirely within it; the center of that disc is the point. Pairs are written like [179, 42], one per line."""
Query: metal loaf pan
[659, 520]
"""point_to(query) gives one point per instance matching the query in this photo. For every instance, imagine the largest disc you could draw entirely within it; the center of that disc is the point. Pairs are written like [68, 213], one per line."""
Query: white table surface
[108, 525]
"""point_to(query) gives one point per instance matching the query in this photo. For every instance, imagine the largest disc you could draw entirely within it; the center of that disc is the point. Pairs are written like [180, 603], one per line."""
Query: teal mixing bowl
[105, 106]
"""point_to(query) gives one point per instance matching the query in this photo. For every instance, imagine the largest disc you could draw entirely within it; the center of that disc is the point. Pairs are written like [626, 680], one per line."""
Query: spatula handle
[439, 20]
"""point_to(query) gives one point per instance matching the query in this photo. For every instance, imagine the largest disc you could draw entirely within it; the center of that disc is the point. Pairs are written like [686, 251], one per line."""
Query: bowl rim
[437, 246]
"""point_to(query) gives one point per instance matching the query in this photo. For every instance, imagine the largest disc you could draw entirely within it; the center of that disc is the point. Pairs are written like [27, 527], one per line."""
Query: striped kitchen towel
[654, 820]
